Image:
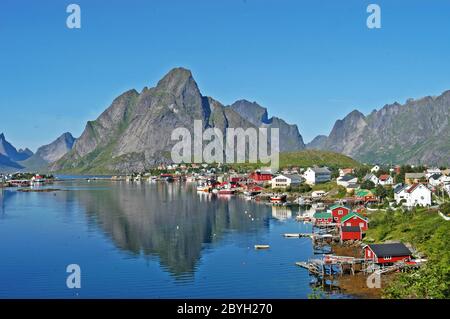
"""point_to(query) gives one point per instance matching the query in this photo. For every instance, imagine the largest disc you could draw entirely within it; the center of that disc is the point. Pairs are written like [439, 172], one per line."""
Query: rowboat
[262, 246]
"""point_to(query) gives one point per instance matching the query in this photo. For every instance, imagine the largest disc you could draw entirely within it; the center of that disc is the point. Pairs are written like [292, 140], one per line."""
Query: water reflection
[281, 212]
[170, 221]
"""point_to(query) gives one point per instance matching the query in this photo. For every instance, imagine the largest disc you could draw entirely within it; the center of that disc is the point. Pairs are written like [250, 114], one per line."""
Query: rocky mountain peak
[178, 81]
[251, 111]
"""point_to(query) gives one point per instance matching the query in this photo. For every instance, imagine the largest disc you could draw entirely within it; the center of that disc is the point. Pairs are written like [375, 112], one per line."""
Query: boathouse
[350, 233]
[323, 218]
[356, 220]
[338, 212]
[387, 253]
[259, 177]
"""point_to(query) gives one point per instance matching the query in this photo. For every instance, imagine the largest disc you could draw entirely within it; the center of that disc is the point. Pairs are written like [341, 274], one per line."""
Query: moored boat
[278, 198]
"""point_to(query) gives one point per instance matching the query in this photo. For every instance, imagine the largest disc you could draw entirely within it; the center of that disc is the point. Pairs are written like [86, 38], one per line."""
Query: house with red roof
[385, 179]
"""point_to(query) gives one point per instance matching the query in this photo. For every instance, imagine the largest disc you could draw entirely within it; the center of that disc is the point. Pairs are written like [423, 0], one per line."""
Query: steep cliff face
[417, 132]
[134, 133]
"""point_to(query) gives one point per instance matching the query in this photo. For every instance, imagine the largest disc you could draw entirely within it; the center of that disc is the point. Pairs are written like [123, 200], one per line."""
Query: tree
[367, 185]
[381, 192]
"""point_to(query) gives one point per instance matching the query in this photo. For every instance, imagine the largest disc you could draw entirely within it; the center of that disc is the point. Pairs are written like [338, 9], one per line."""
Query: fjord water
[147, 240]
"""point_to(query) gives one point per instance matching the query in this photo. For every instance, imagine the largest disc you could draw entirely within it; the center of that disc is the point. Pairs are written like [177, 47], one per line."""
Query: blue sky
[308, 62]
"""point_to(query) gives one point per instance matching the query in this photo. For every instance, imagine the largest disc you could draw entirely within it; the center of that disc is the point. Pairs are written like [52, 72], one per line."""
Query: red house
[338, 212]
[356, 220]
[350, 233]
[387, 253]
[259, 177]
[322, 218]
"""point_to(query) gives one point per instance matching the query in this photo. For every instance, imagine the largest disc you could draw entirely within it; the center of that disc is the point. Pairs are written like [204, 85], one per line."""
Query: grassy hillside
[427, 232]
[97, 161]
[314, 157]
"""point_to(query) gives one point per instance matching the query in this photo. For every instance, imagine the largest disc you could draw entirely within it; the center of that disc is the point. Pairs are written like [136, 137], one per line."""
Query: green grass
[307, 158]
[427, 232]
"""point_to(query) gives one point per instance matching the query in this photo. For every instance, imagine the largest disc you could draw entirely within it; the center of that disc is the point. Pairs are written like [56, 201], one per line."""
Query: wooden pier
[334, 265]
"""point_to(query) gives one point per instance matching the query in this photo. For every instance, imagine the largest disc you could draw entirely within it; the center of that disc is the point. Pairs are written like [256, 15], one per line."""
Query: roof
[369, 176]
[384, 177]
[350, 229]
[294, 177]
[363, 192]
[347, 178]
[390, 250]
[414, 175]
[321, 170]
[338, 206]
[351, 215]
[323, 215]
[413, 187]
[399, 187]
[436, 176]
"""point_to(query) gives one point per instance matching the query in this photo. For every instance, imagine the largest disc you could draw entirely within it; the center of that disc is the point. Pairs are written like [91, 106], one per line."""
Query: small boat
[292, 235]
[226, 191]
[262, 246]
[278, 198]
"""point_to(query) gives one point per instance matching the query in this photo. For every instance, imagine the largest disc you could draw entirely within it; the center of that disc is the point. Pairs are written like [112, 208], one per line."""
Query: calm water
[148, 241]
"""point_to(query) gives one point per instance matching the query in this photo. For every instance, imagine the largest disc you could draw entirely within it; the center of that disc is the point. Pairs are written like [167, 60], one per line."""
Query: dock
[332, 265]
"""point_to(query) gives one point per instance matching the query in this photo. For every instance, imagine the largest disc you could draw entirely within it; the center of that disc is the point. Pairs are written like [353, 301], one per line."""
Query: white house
[432, 171]
[435, 179]
[416, 194]
[315, 175]
[286, 180]
[385, 179]
[372, 178]
[375, 169]
[318, 194]
[346, 180]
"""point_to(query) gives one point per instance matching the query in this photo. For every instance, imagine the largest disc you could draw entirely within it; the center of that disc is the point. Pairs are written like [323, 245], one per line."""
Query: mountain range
[13, 160]
[416, 132]
[134, 133]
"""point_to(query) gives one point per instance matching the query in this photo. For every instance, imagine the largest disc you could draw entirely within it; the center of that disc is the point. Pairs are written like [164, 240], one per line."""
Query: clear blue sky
[309, 62]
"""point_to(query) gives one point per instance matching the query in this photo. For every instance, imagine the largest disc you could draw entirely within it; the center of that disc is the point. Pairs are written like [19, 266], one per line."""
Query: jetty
[332, 265]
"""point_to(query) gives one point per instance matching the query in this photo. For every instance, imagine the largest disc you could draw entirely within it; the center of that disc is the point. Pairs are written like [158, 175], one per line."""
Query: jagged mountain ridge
[417, 132]
[134, 133]
[8, 150]
[49, 153]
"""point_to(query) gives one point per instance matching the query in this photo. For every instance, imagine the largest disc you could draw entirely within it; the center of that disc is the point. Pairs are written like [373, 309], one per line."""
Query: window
[340, 212]
[361, 225]
[387, 258]
[369, 253]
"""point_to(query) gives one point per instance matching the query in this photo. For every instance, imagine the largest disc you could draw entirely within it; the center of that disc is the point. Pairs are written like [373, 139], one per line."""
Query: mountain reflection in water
[170, 221]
